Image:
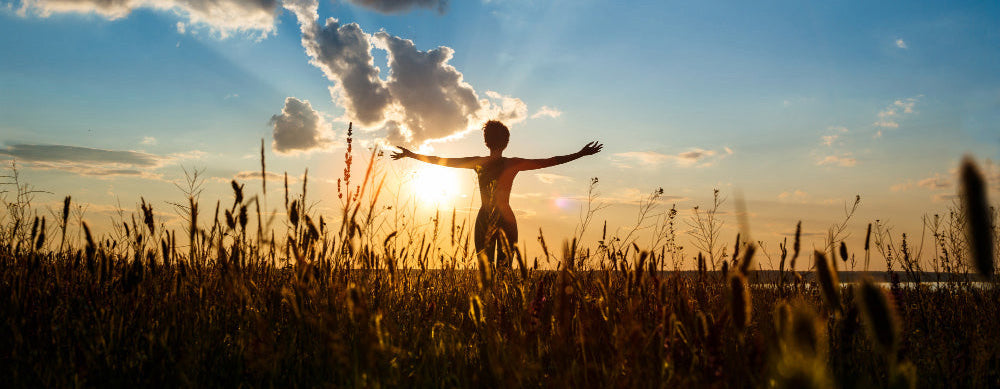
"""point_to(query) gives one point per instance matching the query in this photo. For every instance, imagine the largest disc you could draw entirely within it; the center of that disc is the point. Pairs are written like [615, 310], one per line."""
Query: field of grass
[300, 301]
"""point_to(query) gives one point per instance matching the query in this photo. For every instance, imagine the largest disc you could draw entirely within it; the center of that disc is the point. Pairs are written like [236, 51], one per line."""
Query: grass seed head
[828, 280]
[979, 228]
[879, 316]
[740, 301]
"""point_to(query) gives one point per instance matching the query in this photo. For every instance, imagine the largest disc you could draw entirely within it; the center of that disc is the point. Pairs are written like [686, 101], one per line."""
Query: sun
[434, 185]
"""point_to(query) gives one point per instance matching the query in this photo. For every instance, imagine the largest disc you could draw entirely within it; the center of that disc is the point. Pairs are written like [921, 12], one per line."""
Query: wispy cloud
[833, 134]
[90, 161]
[255, 175]
[546, 111]
[844, 160]
[549, 178]
[148, 141]
[939, 182]
[695, 157]
[221, 16]
[799, 196]
[889, 116]
[900, 43]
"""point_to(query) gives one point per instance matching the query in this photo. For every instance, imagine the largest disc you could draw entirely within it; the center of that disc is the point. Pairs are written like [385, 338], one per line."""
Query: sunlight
[433, 185]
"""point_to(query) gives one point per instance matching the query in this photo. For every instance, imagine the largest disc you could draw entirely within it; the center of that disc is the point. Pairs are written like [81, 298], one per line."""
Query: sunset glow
[435, 185]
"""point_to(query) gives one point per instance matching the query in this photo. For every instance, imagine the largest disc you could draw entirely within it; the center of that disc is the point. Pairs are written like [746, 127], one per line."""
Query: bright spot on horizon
[434, 185]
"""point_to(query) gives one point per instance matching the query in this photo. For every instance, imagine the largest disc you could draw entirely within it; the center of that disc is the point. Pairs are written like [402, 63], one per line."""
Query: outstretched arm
[466, 162]
[531, 164]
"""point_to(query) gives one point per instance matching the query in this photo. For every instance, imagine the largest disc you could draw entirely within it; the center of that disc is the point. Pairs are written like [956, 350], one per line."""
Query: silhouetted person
[496, 176]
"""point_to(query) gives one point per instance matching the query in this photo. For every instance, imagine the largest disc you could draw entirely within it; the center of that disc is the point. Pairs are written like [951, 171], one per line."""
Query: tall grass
[373, 299]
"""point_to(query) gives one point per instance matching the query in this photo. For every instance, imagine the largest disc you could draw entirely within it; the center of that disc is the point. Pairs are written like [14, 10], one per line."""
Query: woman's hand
[401, 154]
[591, 148]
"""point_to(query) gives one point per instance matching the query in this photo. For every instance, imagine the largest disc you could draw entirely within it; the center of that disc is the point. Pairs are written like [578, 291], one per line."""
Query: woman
[496, 229]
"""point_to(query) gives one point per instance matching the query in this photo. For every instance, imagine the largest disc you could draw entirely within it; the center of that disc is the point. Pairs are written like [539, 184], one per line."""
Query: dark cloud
[298, 128]
[397, 6]
[222, 16]
[76, 154]
[86, 160]
[255, 175]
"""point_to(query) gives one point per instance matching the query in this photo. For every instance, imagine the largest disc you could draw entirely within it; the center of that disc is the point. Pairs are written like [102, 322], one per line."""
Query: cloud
[833, 134]
[221, 16]
[636, 196]
[947, 182]
[900, 43]
[944, 197]
[844, 160]
[549, 178]
[888, 117]
[90, 161]
[148, 140]
[66, 154]
[433, 99]
[506, 109]
[694, 157]
[398, 6]
[797, 196]
[547, 111]
[255, 175]
[423, 97]
[645, 157]
[935, 182]
[298, 128]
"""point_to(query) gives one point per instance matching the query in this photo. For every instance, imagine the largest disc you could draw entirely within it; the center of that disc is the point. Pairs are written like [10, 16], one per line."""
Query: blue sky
[799, 105]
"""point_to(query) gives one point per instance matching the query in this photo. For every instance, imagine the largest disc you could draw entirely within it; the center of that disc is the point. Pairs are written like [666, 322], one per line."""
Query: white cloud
[148, 140]
[221, 16]
[546, 111]
[888, 117]
[181, 28]
[422, 99]
[505, 108]
[844, 160]
[549, 178]
[299, 128]
[900, 43]
[694, 157]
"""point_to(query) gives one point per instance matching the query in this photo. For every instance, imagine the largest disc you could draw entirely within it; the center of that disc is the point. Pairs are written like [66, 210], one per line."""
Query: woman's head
[496, 135]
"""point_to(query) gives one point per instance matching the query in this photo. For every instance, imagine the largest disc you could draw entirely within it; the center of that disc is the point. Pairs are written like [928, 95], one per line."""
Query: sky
[794, 107]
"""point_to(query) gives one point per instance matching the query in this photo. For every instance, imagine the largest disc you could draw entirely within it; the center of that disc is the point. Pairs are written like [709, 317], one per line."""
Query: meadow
[252, 297]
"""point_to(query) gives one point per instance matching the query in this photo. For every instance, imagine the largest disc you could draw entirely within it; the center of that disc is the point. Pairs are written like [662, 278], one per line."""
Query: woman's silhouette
[496, 176]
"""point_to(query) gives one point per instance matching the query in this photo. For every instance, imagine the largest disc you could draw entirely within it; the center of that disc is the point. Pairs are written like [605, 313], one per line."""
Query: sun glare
[435, 184]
